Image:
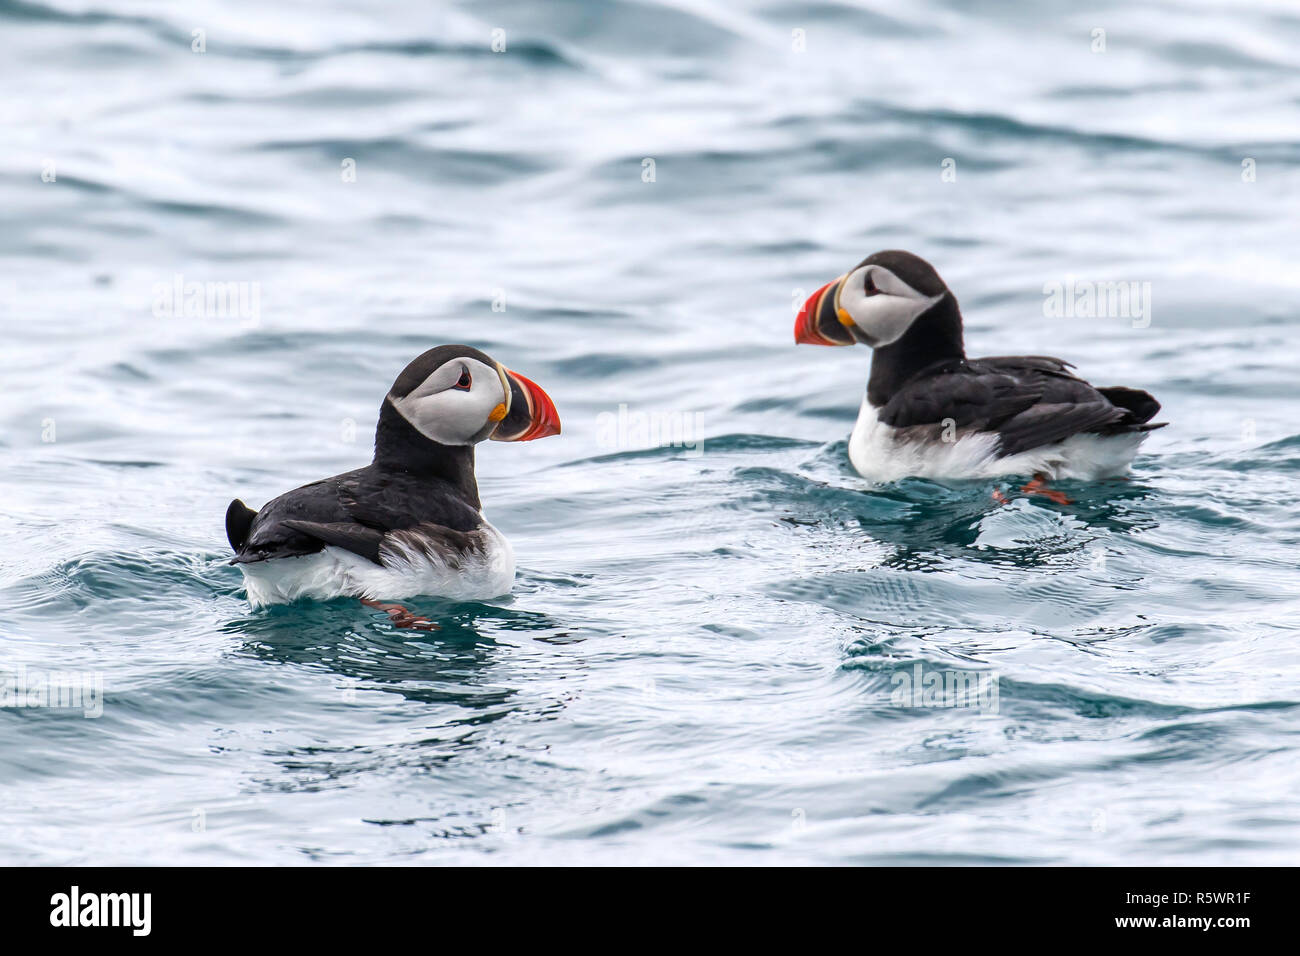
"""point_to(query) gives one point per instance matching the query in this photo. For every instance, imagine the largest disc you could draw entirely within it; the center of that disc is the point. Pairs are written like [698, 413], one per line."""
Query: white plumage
[485, 571]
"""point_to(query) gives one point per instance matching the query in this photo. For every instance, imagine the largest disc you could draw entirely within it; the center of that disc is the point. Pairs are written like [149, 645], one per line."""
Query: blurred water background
[700, 659]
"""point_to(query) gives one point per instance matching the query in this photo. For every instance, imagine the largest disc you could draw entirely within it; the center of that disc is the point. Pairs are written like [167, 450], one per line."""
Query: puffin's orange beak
[531, 414]
[817, 322]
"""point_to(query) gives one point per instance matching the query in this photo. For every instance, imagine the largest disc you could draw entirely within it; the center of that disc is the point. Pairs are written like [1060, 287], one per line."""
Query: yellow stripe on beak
[842, 313]
[502, 410]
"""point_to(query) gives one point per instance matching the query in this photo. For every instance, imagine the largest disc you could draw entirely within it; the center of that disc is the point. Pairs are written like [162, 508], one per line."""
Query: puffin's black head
[457, 395]
[875, 303]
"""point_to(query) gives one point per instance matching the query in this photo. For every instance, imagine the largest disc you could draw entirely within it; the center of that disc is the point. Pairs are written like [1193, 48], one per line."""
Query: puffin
[932, 412]
[409, 523]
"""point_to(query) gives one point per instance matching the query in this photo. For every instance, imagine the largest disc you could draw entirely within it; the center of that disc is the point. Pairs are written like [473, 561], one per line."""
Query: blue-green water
[699, 661]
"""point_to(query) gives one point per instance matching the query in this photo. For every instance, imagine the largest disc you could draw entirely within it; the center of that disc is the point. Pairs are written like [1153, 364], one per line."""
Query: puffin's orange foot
[1039, 487]
[999, 497]
[401, 617]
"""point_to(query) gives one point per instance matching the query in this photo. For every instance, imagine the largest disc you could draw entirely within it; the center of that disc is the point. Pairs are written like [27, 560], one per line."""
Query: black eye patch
[465, 381]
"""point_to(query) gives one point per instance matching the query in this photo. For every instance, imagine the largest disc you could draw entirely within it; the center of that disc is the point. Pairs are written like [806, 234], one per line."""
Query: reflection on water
[450, 665]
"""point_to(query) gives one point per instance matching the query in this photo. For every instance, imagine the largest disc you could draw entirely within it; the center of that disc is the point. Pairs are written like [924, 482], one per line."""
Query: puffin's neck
[399, 447]
[933, 337]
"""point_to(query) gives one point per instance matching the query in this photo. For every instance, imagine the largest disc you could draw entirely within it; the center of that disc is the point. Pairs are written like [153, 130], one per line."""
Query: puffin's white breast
[487, 571]
[879, 453]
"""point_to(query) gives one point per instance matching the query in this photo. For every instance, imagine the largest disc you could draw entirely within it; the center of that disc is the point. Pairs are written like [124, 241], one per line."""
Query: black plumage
[1027, 401]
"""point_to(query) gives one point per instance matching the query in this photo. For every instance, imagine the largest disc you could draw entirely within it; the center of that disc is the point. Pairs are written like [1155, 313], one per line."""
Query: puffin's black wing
[962, 396]
[391, 501]
[356, 511]
[1028, 401]
[1065, 387]
[1048, 424]
[344, 534]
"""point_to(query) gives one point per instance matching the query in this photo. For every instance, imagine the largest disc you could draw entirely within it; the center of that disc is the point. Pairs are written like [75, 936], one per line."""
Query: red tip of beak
[806, 330]
[545, 419]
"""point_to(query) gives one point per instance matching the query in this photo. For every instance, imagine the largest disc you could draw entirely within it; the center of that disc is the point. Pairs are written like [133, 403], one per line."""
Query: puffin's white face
[459, 403]
[879, 304]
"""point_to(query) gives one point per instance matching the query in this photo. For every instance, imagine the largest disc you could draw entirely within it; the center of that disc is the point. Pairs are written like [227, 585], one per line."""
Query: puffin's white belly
[336, 572]
[878, 455]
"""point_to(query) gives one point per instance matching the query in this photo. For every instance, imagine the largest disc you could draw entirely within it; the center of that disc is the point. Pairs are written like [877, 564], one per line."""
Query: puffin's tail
[239, 518]
[1141, 406]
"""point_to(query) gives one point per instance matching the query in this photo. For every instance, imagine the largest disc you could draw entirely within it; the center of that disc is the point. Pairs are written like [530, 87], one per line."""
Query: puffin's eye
[465, 380]
[869, 285]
